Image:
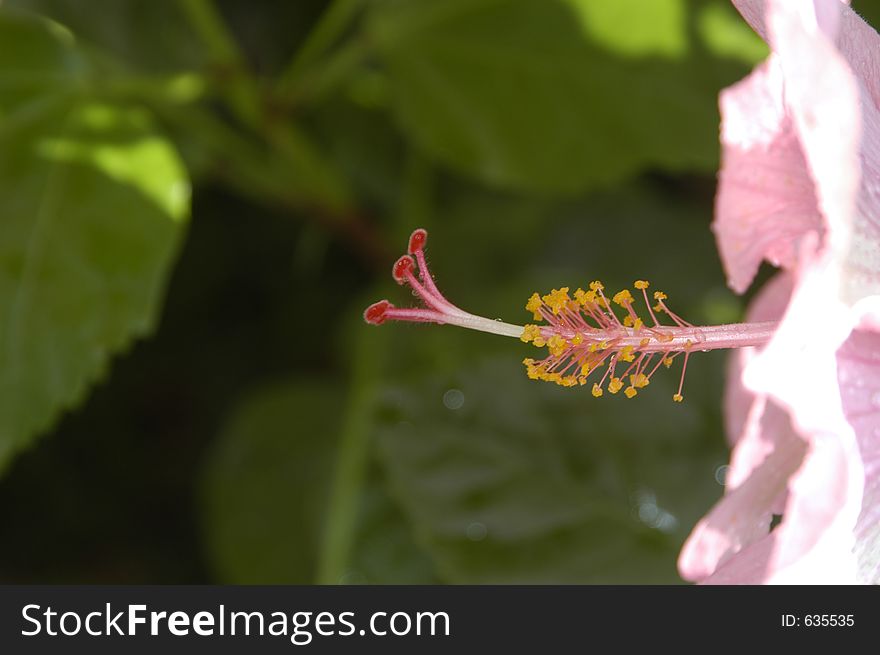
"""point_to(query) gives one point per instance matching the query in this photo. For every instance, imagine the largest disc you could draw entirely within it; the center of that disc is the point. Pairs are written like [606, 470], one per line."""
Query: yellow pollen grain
[627, 321]
[556, 345]
[678, 397]
[626, 354]
[667, 362]
[623, 298]
[577, 339]
[596, 285]
[557, 299]
[641, 284]
[639, 381]
[533, 305]
[597, 390]
[659, 295]
[615, 385]
[530, 333]
[539, 342]
[637, 325]
[630, 392]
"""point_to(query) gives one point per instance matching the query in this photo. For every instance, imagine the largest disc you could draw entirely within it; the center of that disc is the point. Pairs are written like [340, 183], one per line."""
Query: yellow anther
[626, 354]
[659, 295]
[532, 370]
[644, 342]
[615, 385]
[557, 299]
[627, 321]
[556, 345]
[603, 345]
[596, 285]
[667, 362]
[582, 380]
[630, 392]
[540, 342]
[597, 390]
[530, 332]
[639, 381]
[533, 305]
[623, 298]
[593, 347]
[658, 307]
[641, 284]
[678, 397]
[577, 339]
[638, 325]
[585, 369]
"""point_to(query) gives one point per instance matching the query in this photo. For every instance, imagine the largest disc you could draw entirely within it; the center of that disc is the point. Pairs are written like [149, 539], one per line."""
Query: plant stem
[226, 57]
[330, 27]
[352, 460]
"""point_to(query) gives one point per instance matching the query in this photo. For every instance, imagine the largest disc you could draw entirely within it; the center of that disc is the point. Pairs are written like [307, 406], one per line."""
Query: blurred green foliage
[261, 432]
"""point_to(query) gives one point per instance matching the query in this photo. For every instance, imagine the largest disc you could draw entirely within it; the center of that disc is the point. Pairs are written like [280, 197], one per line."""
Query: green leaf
[265, 490]
[265, 484]
[511, 481]
[557, 95]
[93, 209]
[152, 36]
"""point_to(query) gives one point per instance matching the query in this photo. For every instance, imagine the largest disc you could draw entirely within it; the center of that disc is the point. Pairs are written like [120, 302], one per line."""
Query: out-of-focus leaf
[554, 95]
[150, 35]
[265, 484]
[385, 551]
[93, 208]
[511, 481]
[265, 490]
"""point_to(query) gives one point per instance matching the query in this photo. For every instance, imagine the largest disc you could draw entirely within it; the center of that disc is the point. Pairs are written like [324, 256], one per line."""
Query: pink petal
[765, 198]
[812, 111]
[769, 305]
[801, 152]
[767, 452]
[859, 376]
[838, 126]
[743, 515]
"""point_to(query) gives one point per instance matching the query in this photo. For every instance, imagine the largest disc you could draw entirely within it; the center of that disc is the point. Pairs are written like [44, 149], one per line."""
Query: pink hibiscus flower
[800, 187]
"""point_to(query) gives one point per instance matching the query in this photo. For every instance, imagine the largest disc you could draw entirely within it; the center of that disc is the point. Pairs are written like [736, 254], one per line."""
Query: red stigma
[375, 313]
[402, 267]
[417, 240]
